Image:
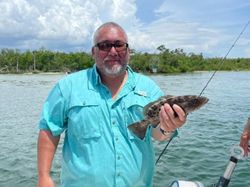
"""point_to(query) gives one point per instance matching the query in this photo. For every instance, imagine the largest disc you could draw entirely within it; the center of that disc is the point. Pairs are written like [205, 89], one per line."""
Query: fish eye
[194, 101]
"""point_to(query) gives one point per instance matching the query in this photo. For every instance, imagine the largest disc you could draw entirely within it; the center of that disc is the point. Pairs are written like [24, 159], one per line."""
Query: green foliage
[13, 61]
[165, 61]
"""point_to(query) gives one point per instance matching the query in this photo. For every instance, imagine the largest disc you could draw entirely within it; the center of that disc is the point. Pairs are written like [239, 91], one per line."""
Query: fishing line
[223, 59]
[220, 65]
[163, 151]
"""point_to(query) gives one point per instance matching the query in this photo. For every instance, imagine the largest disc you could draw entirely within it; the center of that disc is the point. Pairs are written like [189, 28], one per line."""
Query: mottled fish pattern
[188, 103]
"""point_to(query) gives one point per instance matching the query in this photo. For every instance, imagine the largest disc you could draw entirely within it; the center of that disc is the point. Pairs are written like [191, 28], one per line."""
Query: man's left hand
[171, 118]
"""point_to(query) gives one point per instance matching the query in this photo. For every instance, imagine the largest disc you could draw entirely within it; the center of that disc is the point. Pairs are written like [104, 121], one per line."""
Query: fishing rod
[220, 65]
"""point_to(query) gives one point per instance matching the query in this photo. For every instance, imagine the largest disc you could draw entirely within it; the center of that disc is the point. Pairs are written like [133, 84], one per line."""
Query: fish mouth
[204, 99]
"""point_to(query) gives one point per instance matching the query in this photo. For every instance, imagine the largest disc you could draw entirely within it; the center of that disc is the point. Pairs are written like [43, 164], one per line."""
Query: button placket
[118, 150]
[117, 138]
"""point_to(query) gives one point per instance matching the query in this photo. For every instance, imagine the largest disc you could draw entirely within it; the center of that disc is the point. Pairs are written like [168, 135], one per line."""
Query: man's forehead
[111, 32]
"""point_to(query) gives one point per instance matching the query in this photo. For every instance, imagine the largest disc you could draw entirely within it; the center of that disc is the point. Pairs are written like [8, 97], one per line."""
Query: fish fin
[139, 128]
[168, 96]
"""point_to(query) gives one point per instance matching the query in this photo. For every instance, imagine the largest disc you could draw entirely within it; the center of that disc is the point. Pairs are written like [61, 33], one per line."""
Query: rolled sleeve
[53, 113]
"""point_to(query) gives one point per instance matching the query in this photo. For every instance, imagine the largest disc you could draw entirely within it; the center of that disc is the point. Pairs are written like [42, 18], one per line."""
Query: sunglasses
[106, 46]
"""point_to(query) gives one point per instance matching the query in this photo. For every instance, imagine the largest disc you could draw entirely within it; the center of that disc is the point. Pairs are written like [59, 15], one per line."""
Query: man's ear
[93, 52]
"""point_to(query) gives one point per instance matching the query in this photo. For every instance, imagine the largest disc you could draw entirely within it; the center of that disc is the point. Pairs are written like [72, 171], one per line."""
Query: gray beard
[115, 71]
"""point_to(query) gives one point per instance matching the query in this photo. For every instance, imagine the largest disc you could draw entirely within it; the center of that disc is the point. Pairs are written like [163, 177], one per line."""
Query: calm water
[200, 153]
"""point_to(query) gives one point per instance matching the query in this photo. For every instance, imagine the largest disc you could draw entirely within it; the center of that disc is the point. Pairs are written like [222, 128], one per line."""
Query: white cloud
[210, 26]
[17, 18]
[192, 37]
[54, 23]
[68, 21]
[69, 24]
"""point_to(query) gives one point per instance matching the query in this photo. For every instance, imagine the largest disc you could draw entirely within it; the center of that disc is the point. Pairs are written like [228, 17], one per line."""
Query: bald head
[107, 25]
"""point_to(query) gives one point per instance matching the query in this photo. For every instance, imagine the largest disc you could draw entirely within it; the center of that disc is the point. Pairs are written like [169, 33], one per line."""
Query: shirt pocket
[84, 118]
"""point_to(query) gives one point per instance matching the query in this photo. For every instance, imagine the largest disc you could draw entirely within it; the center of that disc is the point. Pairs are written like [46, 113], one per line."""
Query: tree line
[165, 61]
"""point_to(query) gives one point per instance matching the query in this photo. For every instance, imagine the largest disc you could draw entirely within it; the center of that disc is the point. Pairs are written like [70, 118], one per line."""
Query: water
[200, 153]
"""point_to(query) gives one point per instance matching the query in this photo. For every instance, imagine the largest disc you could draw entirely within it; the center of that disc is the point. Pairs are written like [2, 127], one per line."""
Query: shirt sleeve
[53, 112]
[155, 91]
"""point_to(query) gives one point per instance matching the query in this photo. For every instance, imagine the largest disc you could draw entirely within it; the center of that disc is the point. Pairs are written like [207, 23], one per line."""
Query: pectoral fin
[139, 128]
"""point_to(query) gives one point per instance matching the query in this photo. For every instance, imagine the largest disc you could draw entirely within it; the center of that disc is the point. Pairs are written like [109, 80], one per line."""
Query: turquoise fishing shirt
[99, 150]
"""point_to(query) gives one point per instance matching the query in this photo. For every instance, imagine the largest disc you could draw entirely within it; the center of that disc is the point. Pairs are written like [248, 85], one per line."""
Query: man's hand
[168, 119]
[245, 138]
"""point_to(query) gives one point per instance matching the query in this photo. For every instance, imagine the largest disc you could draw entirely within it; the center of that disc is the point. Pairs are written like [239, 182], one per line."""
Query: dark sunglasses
[106, 46]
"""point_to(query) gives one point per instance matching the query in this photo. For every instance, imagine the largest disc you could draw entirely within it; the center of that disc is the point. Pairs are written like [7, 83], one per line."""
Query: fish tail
[139, 128]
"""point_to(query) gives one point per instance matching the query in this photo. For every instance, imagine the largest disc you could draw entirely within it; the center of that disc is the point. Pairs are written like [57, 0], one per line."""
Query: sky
[207, 27]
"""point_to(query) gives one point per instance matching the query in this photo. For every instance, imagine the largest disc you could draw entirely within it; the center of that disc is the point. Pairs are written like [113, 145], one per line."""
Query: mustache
[111, 59]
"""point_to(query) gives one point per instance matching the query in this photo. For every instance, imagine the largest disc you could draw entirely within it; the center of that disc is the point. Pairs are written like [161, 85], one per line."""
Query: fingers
[181, 114]
[246, 151]
[244, 143]
[165, 119]
[168, 119]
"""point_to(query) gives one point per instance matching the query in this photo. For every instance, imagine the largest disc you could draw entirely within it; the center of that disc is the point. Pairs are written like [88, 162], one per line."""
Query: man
[94, 108]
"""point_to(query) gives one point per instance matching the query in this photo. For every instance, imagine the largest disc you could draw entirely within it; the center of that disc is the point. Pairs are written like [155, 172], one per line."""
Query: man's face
[111, 52]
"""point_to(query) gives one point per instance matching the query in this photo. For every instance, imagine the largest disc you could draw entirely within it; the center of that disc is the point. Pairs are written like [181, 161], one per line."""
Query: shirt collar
[131, 82]
[93, 78]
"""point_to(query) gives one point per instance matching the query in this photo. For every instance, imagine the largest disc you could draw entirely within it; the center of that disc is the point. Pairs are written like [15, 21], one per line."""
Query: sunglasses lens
[120, 46]
[106, 46]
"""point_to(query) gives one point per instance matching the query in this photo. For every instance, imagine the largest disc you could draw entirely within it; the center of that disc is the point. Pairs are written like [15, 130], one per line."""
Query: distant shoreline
[147, 73]
[33, 73]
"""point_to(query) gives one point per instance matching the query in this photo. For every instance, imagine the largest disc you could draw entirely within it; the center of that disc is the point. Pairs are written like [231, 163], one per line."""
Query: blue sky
[207, 27]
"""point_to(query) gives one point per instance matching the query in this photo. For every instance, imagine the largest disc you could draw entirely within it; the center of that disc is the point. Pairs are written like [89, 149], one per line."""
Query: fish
[188, 103]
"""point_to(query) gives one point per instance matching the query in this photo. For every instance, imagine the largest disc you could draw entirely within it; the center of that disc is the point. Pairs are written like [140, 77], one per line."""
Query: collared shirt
[99, 149]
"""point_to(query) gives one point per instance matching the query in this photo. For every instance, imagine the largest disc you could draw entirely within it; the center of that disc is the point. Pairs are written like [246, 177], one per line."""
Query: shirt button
[113, 122]
[116, 139]
[119, 174]
[118, 158]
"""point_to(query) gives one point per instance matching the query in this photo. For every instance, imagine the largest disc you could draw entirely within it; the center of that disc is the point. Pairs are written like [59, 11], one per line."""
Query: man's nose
[113, 50]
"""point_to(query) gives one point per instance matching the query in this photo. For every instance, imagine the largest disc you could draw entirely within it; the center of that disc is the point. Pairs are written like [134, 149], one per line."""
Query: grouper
[188, 103]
